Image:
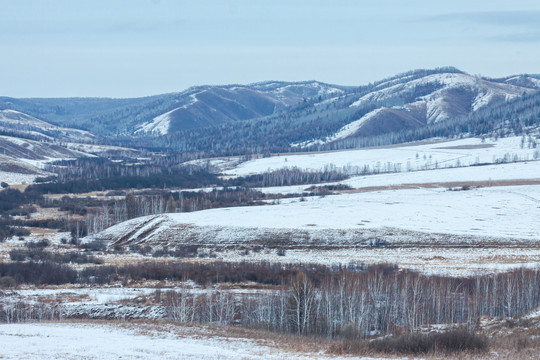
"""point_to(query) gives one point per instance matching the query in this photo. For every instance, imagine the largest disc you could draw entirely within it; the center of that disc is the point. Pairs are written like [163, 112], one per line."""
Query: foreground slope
[139, 341]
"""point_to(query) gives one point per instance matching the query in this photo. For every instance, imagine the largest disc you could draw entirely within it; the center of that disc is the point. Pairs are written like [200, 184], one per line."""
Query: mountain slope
[427, 100]
[15, 122]
[215, 105]
[197, 107]
[281, 117]
[393, 110]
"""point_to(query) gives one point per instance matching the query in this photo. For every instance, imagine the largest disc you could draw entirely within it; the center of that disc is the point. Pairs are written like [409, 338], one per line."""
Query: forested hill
[281, 116]
[196, 107]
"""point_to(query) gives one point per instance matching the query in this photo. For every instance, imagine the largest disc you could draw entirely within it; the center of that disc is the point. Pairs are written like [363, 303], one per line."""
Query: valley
[244, 237]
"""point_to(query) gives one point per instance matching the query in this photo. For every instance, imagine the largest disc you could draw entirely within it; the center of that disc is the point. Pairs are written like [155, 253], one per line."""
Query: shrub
[20, 232]
[447, 342]
[405, 344]
[33, 253]
[7, 282]
[75, 258]
[96, 245]
[38, 273]
[41, 244]
[460, 340]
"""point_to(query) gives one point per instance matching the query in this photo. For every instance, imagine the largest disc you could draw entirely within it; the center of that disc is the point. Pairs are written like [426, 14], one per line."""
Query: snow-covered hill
[22, 159]
[213, 105]
[410, 216]
[405, 103]
[467, 192]
[16, 122]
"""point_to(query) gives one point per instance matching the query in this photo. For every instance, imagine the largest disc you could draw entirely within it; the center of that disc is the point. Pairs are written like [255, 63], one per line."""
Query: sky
[131, 48]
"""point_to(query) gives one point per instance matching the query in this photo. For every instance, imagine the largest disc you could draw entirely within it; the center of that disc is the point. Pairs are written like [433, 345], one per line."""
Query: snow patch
[160, 124]
[345, 131]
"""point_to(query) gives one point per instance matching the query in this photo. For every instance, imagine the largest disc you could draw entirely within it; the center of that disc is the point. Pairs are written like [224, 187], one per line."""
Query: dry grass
[467, 147]
[452, 184]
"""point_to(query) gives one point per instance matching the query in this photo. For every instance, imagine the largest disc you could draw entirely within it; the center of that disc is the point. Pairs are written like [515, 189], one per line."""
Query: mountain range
[266, 116]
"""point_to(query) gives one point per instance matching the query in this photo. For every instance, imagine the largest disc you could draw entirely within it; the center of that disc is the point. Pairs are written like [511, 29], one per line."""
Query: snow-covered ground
[486, 92]
[529, 170]
[511, 211]
[431, 230]
[97, 149]
[16, 178]
[447, 154]
[91, 295]
[447, 261]
[160, 124]
[347, 130]
[140, 341]
[14, 119]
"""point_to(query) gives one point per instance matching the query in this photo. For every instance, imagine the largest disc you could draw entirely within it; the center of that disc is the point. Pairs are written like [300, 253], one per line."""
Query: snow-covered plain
[529, 170]
[447, 261]
[140, 341]
[507, 211]
[464, 152]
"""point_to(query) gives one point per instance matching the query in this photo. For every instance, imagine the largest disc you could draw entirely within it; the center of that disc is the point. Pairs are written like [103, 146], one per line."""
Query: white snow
[125, 341]
[440, 260]
[497, 211]
[507, 213]
[444, 79]
[345, 131]
[10, 118]
[91, 295]
[496, 172]
[436, 103]
[96, 149]
[160, 124]
[407, 158]
[535, 81]
[16, 178]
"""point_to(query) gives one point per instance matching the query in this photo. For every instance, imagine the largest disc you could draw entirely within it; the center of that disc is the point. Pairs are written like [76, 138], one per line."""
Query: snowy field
[15, 178]
[447, 154]
[507, 212]
[431, 230]
[447, 261]
[529, 170]
[140, 341]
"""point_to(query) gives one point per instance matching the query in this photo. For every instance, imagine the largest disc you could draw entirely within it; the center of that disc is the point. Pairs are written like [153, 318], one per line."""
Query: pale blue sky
[142, 47]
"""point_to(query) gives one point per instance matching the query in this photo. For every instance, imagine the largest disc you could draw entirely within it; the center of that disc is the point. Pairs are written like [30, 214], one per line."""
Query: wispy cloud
[494, 26]
[143, 26]
[502, 18]
[533, 36]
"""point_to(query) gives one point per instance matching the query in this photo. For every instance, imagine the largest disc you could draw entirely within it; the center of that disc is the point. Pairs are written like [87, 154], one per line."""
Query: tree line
[352, 302]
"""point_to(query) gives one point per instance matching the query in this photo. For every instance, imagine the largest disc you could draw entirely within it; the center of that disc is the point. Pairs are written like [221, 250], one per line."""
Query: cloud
[142, 26]
[533, 36]
[501, 18]
[493, 26]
